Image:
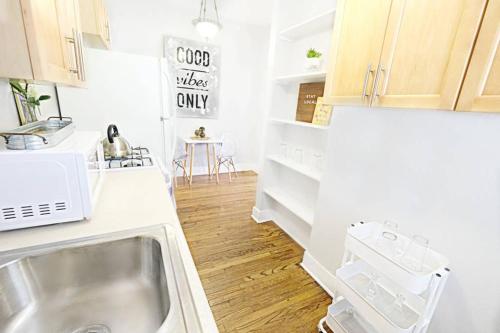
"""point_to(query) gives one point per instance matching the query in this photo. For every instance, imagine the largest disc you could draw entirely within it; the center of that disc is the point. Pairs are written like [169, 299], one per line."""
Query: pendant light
[206, 27]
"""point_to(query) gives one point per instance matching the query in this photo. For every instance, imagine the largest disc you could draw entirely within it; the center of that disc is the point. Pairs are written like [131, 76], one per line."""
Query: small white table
[190, 148]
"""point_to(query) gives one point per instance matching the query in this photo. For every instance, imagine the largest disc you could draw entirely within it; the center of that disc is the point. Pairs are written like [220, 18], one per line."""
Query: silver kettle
[115, 146]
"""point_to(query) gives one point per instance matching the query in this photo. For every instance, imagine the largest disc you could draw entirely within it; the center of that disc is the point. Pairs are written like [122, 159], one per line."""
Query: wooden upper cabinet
[357, 43]
[41, 41]
[426, 50]
[69, 23]
[104, 23]
[409, 53]
[44, 40]
[95, 23]
[481, 89]
[14, 55]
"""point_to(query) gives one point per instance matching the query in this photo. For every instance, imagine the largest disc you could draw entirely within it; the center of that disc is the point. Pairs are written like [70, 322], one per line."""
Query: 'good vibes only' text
[192, 78]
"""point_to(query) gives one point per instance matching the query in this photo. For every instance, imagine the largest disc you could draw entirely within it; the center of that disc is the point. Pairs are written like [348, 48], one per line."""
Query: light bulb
[207, 29]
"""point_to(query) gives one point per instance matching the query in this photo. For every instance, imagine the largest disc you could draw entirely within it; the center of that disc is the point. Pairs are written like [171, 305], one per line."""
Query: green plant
[312, 53]
[31, 97]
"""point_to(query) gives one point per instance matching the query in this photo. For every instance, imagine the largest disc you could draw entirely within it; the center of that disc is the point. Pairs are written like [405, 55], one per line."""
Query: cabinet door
[87, 16]
[357, 42]
[68, 25]
[14, 55]
[48, 57]
[95, 24]
[105, 19]
[426, 50]
[102, 17]
[481, 89]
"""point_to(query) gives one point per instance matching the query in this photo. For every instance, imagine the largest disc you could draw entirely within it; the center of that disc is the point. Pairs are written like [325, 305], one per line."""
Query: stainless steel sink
[110, 284]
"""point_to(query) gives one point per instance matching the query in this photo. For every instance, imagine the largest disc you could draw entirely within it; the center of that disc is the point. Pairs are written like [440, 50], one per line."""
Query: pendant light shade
[207, 27]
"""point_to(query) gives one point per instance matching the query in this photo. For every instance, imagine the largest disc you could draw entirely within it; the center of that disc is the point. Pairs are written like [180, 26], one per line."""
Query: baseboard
[295, 228]
[261, 215]
[319, 273]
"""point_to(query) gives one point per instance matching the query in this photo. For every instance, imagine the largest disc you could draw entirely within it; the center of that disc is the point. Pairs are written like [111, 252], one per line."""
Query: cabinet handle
[108, 37]
[380, 69]
[77, 53]
[71, 40]
[78, 36]
[369, 70]
[76, 40]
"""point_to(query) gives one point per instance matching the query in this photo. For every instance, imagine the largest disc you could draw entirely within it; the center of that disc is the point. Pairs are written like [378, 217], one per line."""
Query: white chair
[179, 161]
[225, 153]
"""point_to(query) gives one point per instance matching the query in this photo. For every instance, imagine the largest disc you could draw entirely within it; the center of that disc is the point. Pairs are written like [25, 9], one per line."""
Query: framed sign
[306, 104]
[193, 76]
[322, 113]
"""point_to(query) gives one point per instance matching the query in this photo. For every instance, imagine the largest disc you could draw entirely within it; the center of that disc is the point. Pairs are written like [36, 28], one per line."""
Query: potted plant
[29, 99]
[313, 59]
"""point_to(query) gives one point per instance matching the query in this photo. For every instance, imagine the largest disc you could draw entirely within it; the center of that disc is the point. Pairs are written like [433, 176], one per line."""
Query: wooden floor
[250, 271]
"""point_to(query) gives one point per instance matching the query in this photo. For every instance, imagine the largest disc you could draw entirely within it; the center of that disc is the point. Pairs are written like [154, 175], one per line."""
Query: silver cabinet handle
[108, 36]
[71, 40]
[78, 36]
[76, 40]
[77, 54]
[380, 69]
[365, 84]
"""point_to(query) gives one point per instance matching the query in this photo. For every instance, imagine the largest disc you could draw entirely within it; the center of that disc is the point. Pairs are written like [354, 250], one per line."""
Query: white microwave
[54, 185]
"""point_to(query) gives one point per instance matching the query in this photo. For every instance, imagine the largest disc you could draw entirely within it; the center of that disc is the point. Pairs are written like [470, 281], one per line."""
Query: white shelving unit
[288, 186]
[302, 78]
[305, 170]
[294, 205]
[355, 310]
[298, 123]
[309, 26]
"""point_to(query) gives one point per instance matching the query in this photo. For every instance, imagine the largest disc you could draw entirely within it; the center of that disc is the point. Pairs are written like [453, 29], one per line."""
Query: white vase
[313, 64]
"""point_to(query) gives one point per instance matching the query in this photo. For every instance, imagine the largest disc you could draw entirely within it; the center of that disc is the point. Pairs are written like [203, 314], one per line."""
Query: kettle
[115, 146]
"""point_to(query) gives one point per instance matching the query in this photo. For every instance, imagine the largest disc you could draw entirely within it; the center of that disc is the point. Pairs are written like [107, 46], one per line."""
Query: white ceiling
[258, 12]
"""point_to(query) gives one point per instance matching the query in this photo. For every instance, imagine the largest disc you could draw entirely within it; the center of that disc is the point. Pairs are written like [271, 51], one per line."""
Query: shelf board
[309, 27]
[301, 77]
[299, 124]
[337, 319]
[361, 241]
[292, 204]
[297, 167]
[352, 281]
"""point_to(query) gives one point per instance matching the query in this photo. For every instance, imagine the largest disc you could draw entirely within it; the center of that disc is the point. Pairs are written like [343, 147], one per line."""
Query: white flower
[32, 92]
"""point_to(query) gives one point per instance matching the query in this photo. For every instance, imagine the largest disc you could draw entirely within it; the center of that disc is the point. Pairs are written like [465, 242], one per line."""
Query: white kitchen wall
[437, 174]
[138, 27]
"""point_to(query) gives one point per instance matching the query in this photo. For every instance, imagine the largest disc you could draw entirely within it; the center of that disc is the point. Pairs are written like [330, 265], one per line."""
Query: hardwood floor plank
[251, 272]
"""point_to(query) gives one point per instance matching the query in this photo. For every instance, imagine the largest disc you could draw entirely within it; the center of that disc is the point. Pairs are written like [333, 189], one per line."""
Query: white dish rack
[354, 311]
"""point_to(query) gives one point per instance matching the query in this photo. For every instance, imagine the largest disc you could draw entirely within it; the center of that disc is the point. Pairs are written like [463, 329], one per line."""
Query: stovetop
[139, 157]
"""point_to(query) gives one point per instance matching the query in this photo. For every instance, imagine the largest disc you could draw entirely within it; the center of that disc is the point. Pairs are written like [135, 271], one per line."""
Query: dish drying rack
[354, 310]
[40, 134]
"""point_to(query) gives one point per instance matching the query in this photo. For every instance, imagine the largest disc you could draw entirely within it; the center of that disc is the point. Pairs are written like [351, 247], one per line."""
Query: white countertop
[128, 200]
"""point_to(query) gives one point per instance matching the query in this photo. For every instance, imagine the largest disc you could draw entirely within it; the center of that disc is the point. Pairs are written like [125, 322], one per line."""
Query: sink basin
[119, 283]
